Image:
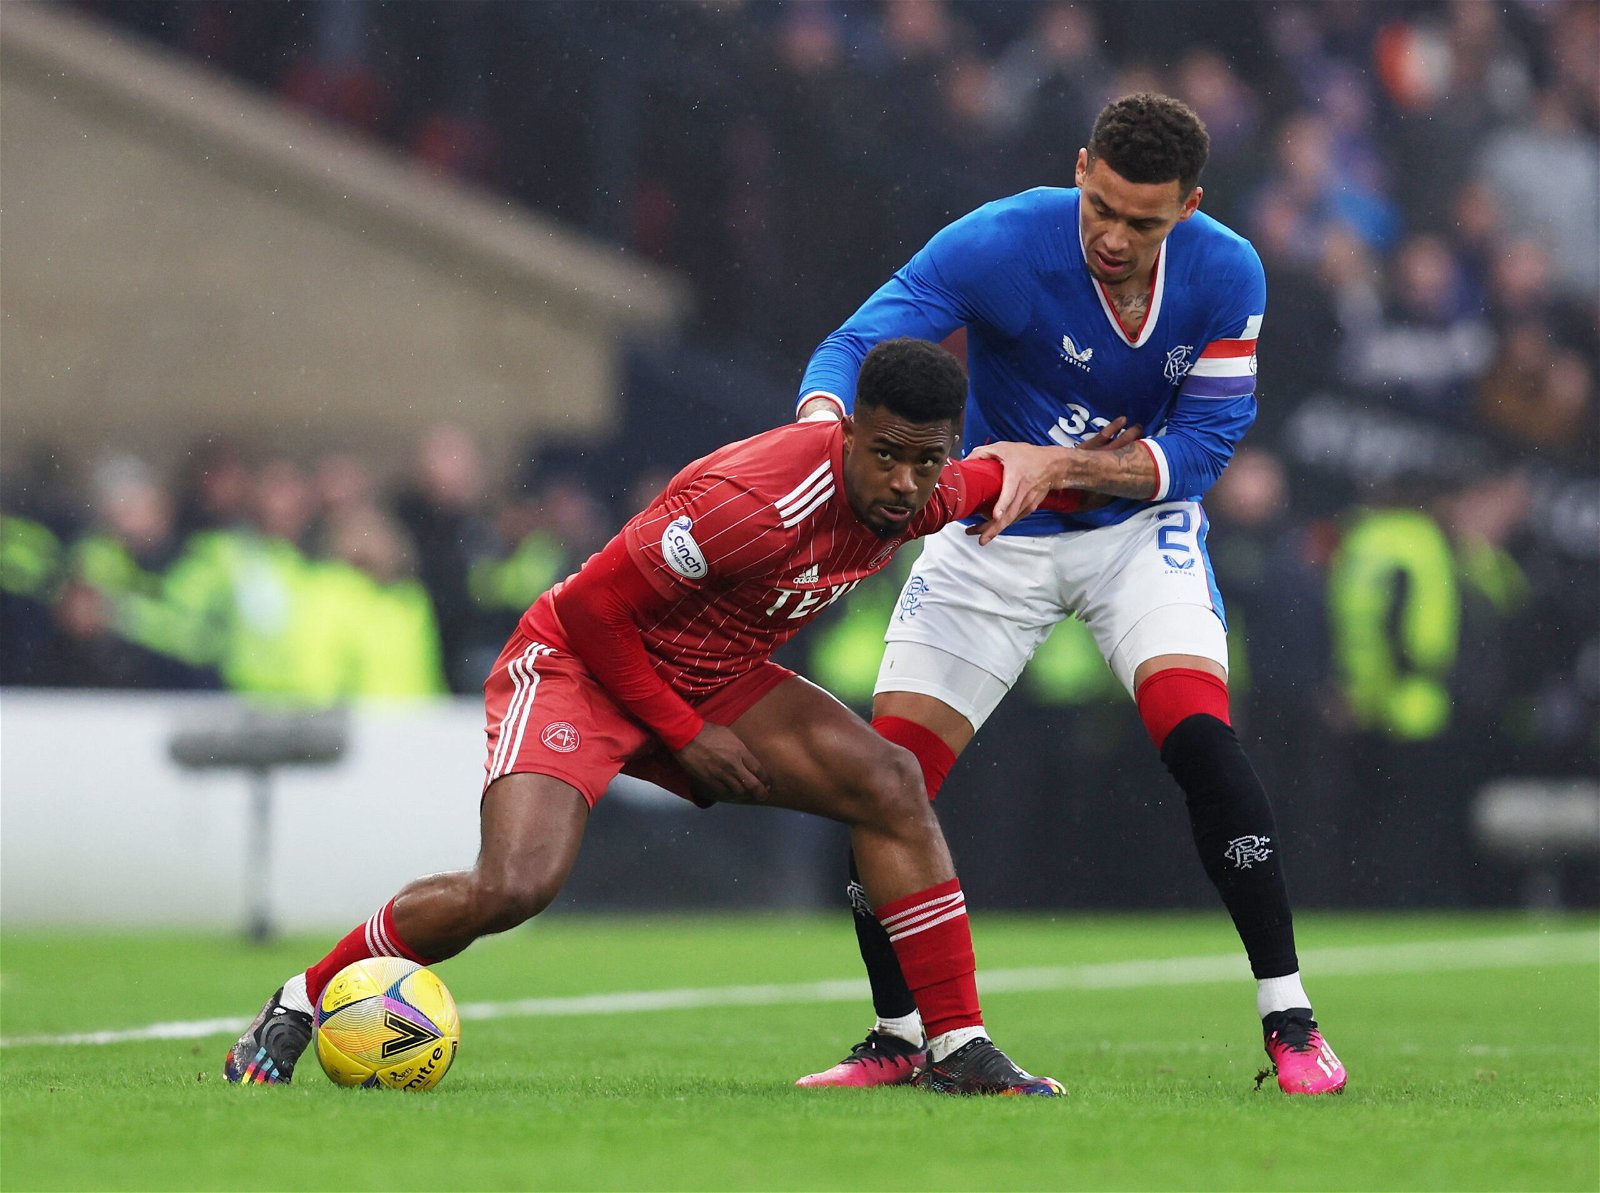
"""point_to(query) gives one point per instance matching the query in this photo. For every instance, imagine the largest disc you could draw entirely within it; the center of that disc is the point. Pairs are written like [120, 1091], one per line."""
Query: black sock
[891, 997]
[1237, 838]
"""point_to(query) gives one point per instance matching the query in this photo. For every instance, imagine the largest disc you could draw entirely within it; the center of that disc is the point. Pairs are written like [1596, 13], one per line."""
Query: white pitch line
[1492, 952]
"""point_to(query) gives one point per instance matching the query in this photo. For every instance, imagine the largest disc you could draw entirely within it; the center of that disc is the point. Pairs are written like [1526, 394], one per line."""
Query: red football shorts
[548, 716]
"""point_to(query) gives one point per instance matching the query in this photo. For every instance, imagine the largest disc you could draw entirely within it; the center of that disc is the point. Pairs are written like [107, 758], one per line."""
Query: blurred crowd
[1420, 177]
[301, 580]
[1412, 534]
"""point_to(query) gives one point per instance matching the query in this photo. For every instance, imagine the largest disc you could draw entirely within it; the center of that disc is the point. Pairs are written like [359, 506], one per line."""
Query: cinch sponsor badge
[682, 553]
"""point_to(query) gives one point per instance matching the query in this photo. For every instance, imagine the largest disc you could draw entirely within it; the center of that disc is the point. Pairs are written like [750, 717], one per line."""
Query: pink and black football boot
[879, 1059]
[1300, 1056]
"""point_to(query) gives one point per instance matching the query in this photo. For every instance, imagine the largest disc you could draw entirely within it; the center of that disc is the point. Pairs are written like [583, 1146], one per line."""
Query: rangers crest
[1179, 361]
[1245, 852]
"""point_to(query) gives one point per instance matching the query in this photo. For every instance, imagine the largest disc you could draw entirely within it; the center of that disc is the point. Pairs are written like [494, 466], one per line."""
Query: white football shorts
[970, 617]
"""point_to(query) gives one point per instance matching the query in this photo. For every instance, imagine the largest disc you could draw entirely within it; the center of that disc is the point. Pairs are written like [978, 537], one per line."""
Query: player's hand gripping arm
[601, 609]
[985, 478]
[1033, 471]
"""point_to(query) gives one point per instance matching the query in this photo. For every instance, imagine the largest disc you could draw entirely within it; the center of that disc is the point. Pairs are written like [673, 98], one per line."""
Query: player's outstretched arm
[1116, 471]
[1033, 471]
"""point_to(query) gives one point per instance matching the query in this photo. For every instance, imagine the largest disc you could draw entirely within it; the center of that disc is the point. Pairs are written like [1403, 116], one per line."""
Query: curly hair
[915, 379]
[1151, 138]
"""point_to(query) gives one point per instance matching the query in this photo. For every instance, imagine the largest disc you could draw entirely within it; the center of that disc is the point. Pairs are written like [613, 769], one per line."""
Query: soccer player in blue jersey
[1115, 298]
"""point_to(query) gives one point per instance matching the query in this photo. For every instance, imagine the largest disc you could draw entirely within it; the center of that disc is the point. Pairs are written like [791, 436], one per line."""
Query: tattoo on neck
[1131, 308]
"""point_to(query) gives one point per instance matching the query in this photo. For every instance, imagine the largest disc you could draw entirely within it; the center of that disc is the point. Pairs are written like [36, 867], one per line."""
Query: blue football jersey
[1047, 358]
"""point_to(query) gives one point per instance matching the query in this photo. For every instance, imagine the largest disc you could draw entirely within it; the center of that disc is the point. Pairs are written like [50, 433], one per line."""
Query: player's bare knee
[893, 795]
[506, 900]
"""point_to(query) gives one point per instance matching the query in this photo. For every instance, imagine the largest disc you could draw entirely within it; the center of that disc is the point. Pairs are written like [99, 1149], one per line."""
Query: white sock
[1279, 994]
[942, 1046]
[294, 994]
[904, 1027]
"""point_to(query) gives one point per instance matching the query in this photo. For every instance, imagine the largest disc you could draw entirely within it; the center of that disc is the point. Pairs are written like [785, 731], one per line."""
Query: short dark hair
[1151, 138]
[915, 379]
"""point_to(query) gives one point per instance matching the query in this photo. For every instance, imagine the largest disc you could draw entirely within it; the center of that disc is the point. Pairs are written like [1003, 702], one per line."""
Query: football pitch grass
[657, 1053]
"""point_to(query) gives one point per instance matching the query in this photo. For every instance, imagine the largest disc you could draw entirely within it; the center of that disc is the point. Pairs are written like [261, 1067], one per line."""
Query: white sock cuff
[942, 1046]
[903, 1027]
[1279, 994]
[295, 996]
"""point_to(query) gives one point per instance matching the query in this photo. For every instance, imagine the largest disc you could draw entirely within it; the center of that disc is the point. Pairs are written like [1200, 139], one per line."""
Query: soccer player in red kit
[655, 659]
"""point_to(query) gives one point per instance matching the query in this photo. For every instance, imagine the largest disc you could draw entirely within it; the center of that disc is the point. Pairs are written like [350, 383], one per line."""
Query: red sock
[375, 938]
[1176, 694]
[932, 753]
[933, 942]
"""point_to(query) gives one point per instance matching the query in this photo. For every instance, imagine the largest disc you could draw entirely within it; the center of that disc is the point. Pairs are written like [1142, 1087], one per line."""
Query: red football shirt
[752, 542]
[741, 550]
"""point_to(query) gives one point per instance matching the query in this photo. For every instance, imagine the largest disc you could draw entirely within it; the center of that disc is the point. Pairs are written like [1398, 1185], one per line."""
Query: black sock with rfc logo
[1231, 819]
